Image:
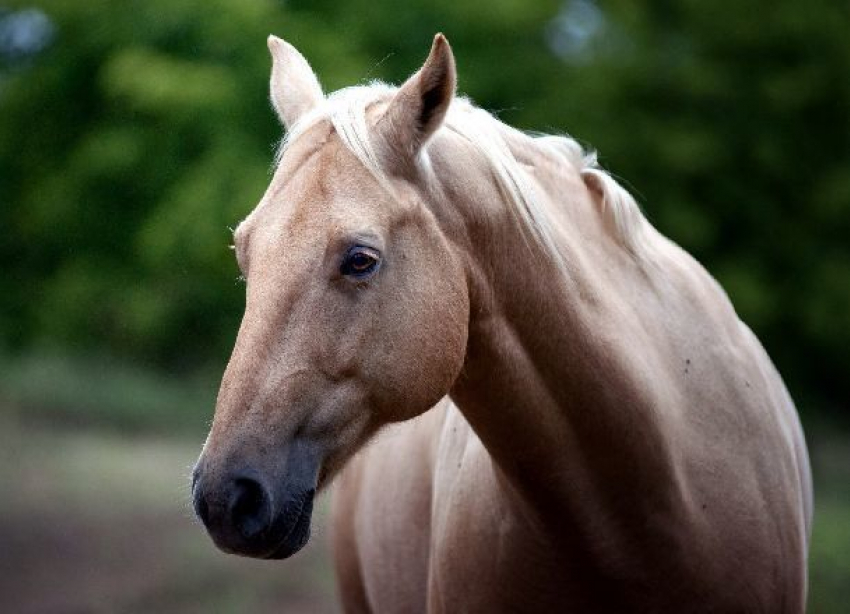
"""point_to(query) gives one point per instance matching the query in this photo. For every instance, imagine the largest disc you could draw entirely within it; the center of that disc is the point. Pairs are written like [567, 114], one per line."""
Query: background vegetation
[134, 134]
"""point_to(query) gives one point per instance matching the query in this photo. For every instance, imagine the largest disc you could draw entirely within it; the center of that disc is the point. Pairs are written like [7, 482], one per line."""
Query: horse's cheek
[430, 347]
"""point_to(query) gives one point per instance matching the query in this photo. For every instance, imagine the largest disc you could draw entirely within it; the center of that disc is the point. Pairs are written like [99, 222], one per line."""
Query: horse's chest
[484, 557]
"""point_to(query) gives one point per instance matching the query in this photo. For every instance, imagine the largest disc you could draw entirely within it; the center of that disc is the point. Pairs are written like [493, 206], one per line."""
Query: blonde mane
[347, 111]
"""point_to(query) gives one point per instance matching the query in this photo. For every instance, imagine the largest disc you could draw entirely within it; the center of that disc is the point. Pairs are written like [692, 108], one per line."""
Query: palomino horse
[616, 440]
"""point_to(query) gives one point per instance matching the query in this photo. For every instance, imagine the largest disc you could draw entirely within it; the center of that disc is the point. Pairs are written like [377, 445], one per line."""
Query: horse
[528, 398]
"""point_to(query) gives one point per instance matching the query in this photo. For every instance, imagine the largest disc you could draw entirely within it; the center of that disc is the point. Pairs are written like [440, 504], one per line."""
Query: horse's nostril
[250, 510]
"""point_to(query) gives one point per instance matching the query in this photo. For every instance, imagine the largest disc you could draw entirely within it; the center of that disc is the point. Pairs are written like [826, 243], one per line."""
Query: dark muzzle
[251, 513]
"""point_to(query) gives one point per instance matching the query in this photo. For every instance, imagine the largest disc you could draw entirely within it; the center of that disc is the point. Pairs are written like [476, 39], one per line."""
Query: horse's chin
[298, 535]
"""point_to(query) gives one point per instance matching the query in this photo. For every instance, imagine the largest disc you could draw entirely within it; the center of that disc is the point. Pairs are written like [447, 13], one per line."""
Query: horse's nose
[237, 513]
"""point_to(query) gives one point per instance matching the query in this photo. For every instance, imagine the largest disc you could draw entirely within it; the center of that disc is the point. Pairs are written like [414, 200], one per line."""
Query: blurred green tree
[133, 134]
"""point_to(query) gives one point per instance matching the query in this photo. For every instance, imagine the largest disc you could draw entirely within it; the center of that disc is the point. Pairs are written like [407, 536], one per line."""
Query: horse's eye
[360, 261]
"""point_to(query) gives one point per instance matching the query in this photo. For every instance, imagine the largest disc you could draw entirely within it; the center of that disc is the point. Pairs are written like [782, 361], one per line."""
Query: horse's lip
[297, 536]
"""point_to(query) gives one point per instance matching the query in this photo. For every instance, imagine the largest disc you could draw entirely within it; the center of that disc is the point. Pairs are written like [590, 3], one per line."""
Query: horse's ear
[420, 105]
[294, 88]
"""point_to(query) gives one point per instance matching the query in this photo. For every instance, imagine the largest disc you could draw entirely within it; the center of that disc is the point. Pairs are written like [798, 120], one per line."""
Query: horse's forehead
[318, 178]
[305, 164]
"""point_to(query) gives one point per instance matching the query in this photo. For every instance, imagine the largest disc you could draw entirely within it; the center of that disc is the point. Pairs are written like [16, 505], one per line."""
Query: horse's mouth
[299, 532]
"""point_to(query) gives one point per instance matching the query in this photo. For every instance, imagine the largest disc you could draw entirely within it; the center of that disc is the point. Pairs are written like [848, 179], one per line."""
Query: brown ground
[92, 522]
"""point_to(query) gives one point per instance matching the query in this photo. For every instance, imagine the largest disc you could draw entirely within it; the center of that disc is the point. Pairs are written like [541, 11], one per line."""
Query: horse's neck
[553, 384]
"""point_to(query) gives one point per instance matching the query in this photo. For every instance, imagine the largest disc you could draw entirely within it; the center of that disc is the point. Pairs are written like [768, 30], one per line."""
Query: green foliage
[142, 131]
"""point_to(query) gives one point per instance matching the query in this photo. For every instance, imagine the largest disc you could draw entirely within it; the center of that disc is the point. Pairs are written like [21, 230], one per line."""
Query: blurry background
[134, 134]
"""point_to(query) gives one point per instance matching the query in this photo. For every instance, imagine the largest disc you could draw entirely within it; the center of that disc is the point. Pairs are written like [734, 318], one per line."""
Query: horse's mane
[347, 111]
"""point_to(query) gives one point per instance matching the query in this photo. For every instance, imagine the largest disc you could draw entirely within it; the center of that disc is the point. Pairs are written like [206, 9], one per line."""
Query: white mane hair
[347, 111]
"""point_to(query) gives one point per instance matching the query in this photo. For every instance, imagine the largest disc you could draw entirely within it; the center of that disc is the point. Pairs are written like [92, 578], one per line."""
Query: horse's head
[356, 315]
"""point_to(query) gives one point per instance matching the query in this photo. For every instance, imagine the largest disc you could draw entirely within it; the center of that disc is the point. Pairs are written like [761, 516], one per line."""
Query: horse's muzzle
[244, 514]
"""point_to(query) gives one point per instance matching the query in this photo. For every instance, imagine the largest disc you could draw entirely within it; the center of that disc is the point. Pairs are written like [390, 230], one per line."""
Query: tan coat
[616, 440]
